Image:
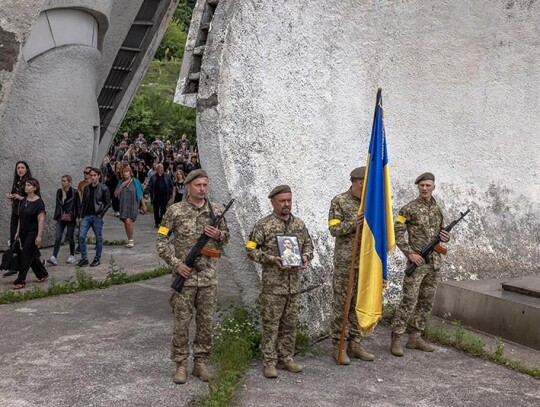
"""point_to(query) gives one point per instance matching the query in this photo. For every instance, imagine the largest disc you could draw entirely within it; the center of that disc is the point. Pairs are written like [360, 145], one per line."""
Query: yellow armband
[333, 222]
[401, 219]
[251, 245]
[163, 231]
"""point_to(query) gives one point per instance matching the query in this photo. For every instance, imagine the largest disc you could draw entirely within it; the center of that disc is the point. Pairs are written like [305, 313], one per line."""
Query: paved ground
[111, 348]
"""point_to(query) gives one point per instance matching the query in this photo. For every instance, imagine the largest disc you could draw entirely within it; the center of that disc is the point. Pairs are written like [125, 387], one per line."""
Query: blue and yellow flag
[378, 230]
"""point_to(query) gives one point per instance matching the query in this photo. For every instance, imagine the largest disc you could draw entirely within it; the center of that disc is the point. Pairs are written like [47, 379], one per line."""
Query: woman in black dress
[30, 230]
[17, 194]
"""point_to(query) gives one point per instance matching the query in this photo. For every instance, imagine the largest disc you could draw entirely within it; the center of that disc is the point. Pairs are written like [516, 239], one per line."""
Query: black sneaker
[10, 273]
[95, 263]
[77, 250]
[82, 263]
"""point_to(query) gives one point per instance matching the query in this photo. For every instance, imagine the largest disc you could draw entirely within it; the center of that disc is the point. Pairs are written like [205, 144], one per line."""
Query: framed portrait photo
[289, 251]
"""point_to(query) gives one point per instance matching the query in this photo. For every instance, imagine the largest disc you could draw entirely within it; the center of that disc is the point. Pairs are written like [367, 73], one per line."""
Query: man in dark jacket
[160, 187]
[96, 201]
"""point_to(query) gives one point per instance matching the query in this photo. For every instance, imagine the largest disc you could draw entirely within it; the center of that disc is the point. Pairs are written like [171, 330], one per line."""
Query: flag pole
[349, 293]
[354, 257]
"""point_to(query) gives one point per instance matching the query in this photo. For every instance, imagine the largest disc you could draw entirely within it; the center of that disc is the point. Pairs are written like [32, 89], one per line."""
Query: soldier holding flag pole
[376, 234]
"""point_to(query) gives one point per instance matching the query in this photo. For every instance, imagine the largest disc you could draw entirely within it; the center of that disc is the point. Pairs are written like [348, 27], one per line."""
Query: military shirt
[262, 247]
[342, 225]
[186, 223]
[422, 220]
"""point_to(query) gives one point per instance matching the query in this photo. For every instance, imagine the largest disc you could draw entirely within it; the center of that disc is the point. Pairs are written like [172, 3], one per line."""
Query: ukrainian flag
[378, 230]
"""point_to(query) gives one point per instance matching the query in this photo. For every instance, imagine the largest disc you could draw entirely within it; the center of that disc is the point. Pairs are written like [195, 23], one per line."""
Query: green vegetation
[302, 344]
[152, 110]
[474, 345]
[92, 240]
[237, 340]
[82, 282]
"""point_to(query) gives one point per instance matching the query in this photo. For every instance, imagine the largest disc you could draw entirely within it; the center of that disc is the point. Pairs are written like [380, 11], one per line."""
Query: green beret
[358, 173]
[194, 175]
[425, 177]
[280, 189]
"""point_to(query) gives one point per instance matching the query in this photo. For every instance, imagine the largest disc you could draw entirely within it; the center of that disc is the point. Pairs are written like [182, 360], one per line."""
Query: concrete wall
[287, 94]
[14, 29]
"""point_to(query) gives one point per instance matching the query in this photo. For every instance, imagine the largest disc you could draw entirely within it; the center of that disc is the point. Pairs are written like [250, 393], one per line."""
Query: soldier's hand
[212, 232]
[305, 262]
[183, 270]
[360, 219]
[416, 259]
[444, 236]
[277, 260]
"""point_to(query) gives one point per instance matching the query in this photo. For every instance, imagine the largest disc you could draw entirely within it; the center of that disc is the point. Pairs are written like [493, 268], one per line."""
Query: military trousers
[339, 285]
[203, 301]
[418, 295]
[279, 314]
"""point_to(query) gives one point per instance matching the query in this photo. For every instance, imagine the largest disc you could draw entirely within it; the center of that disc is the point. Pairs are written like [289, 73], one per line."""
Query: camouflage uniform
[342, 225]
[186, 222]
[280, 294]
[422, 220]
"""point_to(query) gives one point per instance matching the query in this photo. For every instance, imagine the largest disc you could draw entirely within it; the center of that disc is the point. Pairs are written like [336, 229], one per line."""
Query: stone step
[484, 305]
[529, 285]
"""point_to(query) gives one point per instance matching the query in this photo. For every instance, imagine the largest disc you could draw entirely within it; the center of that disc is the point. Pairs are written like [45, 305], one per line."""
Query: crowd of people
[159, 166]
[131, 174]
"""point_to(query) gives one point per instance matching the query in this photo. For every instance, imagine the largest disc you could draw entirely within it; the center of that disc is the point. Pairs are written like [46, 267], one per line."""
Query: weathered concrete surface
[287, 94]
[111, 348]
[529, 285]
[14, 29]
[446, 377]
[484, 305]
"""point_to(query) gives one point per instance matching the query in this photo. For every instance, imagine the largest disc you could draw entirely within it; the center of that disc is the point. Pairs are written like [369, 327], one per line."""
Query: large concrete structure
[285, 92]
[68, 71]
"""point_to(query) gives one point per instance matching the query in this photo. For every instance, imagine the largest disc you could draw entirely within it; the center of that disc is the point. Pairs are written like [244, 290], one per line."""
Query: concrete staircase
[190, 73]
[508, 308]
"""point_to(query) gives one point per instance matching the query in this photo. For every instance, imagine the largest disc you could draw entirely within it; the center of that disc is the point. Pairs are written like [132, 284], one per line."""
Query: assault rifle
[434, 245]
[199, 249]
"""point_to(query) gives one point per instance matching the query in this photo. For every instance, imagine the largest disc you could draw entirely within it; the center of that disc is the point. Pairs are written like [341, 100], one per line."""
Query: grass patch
[92, 240]
[302, 344]
[237, 340]
[475, 345]
[82, 282]
[149, 207]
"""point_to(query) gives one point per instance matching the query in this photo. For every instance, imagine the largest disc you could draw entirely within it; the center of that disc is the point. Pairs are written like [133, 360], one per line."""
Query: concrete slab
[529, 285]
[96, 348]
[485, 306]
[446, 377]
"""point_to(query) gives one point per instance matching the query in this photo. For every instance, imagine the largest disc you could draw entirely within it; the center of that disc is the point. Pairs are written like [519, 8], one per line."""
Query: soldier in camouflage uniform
[187, 220]
[343, 218]
[280, 294]
[422, 219]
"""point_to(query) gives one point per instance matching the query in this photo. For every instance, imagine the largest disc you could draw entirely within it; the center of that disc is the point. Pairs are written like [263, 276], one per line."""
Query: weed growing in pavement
[115, 272]
[475, 345]
[302, 344]
[82, 282]
[119, 242]
[236, 342]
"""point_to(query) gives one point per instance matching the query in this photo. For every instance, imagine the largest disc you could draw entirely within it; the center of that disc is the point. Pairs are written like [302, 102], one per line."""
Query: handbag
[65, 217]
[11, 259]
